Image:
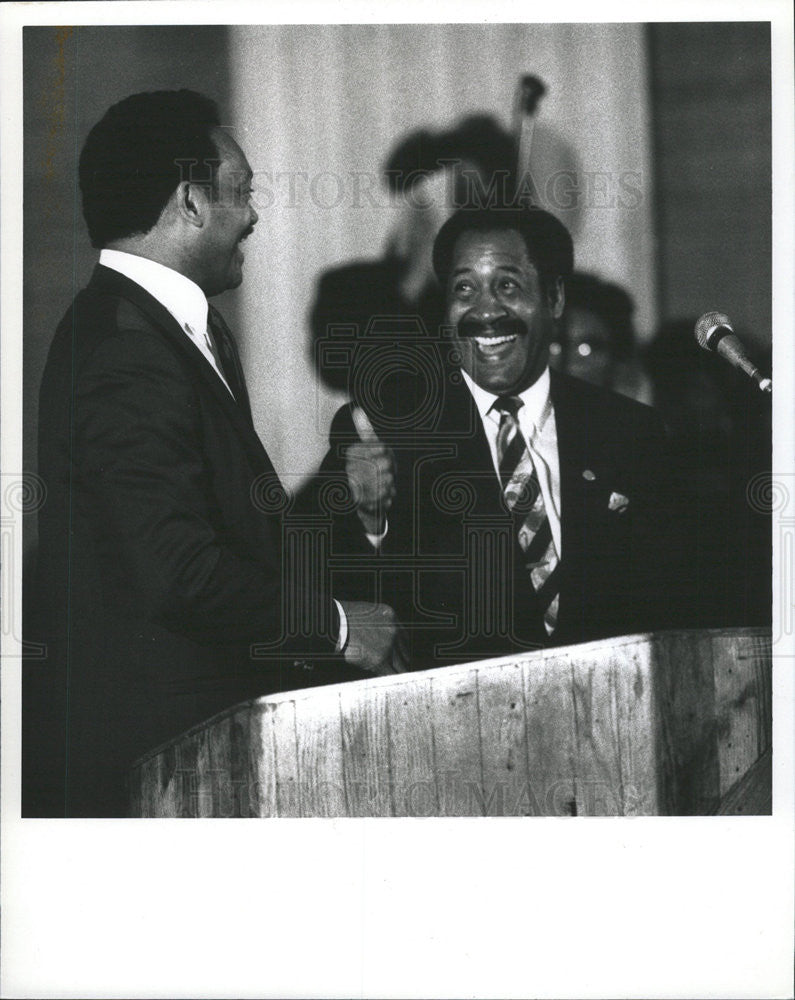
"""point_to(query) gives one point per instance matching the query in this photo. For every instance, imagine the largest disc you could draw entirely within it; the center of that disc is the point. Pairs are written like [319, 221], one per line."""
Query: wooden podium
[659, 724]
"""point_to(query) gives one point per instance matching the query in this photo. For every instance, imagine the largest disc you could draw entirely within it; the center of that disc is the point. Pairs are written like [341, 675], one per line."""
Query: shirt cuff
[375, 540]
[342, 638]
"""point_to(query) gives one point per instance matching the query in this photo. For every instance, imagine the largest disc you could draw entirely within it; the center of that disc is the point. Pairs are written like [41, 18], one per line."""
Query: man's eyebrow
[511, 268]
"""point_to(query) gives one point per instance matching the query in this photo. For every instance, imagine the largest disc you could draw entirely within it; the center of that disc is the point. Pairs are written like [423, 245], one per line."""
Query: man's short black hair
[548, 241]
[138, 153]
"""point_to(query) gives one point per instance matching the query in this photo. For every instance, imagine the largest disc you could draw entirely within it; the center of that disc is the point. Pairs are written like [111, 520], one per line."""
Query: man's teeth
[493, 341]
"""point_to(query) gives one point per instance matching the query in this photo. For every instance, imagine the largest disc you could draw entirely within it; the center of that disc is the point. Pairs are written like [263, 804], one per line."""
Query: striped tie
[524, 498]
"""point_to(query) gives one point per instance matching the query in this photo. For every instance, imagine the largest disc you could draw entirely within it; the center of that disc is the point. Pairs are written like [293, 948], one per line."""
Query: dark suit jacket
[446, 563]
[160, 552]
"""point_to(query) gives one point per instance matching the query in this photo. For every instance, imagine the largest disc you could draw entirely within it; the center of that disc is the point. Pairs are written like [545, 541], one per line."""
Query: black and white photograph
[391, 457]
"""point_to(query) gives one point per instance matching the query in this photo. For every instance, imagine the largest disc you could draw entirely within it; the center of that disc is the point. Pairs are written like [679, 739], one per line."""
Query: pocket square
[618, 502]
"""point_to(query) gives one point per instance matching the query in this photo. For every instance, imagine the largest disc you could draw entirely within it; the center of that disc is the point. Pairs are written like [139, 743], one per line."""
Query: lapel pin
[588, 475]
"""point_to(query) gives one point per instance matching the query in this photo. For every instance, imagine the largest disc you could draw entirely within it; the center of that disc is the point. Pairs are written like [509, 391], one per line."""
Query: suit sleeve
[139, 446]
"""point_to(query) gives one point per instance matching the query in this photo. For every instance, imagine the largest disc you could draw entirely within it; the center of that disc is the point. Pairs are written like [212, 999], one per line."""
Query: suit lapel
[585, 474]
[473, 455]
[239, 413]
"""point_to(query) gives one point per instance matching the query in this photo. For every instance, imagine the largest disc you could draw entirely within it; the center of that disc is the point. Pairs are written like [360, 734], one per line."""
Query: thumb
[363, 426]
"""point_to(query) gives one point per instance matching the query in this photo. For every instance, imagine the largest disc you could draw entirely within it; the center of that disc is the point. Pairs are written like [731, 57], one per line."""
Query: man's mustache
[505, 327]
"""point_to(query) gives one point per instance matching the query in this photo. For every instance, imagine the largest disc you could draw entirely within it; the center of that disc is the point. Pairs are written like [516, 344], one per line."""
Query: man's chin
[505, 383]
[233, 280]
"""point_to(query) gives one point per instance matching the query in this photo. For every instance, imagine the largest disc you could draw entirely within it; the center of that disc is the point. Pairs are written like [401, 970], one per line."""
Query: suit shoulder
[100, 325]
[598, 401]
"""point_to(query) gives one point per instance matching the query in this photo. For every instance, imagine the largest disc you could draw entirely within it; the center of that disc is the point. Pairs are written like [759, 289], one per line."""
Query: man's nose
[488, 307]
[254, 216]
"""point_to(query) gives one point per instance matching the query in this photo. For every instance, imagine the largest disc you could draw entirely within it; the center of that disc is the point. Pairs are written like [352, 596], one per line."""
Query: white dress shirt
[537, 426]
[179, 295]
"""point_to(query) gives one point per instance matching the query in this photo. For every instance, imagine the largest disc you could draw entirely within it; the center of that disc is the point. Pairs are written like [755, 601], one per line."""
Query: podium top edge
[391, 680]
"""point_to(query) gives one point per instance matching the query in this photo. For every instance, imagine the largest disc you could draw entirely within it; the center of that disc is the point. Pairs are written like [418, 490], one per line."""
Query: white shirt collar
[181, 297]
[535, 398]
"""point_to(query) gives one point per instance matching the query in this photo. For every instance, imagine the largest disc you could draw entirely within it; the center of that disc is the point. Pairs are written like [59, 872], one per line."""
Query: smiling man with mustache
[525, 508]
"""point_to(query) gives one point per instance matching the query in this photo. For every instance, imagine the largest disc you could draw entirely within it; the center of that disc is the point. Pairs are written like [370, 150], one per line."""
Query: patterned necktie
[524, 499]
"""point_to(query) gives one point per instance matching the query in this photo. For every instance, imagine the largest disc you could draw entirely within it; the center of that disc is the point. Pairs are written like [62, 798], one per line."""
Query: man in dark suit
[497, 505]
[163, 592]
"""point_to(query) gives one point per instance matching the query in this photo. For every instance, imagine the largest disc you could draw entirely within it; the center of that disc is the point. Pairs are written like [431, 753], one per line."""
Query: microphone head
[706, 326]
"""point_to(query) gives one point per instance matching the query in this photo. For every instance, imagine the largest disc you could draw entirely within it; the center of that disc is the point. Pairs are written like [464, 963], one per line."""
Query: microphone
[714, 332]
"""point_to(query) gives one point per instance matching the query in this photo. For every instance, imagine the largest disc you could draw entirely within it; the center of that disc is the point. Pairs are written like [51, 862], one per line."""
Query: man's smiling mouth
[494, 340]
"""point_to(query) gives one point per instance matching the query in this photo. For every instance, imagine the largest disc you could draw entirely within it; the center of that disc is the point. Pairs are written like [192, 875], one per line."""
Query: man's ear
[191, 203]
[556, 297]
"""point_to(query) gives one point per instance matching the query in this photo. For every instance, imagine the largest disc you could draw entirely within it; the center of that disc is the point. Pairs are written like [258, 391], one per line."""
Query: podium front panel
[660, 724]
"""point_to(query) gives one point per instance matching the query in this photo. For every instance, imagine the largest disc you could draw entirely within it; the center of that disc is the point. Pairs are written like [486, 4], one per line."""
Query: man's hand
[376, 640]
[370, 468]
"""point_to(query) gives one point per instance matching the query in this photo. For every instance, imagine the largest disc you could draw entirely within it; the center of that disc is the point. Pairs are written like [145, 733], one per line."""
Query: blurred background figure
[720, 435]
[427, 174]
[596, 337]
